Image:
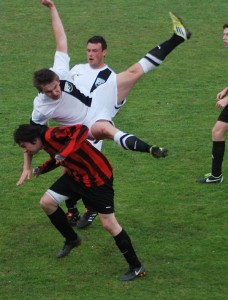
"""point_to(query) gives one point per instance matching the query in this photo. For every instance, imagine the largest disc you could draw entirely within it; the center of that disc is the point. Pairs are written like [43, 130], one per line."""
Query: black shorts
[223, 117]
[100, 198]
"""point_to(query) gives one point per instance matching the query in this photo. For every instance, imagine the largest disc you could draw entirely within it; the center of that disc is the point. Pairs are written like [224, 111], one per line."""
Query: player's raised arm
[59, 32]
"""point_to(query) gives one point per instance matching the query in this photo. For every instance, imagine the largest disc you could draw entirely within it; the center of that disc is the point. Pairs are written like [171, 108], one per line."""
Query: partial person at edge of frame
[219, 130]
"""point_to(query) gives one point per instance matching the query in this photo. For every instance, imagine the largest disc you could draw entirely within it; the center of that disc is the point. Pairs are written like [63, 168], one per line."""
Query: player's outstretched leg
[154, 58]
[106, 130]
[157, 55]
[131, 142]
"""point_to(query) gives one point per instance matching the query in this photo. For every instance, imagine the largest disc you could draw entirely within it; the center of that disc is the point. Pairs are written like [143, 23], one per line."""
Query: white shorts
[103, 104]
[96, 143]
[56, 197]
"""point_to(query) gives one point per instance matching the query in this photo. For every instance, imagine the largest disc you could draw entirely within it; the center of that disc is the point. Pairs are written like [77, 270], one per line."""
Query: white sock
[149, 62]
[120, 139]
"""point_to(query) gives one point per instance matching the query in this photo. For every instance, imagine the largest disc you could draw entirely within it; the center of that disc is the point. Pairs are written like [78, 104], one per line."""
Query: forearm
[48, 166]
[27, 161]
[26, 172]
[59, 32]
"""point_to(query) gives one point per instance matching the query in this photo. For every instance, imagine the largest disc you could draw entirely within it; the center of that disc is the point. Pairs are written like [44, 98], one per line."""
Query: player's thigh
[219, 130]
[101, 198]
[103, 129]
[126, 81]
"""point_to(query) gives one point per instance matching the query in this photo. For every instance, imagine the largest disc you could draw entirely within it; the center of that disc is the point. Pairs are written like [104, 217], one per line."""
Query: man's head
[47, 82]
[96, 51]
[225, 35]
[28, 137]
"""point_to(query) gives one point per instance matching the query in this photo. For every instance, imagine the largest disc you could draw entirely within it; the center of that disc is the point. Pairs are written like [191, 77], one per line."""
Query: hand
[222, 103]
[59, 158]
[36, 172]
[222, 94]
[47, 3]
[26, 174]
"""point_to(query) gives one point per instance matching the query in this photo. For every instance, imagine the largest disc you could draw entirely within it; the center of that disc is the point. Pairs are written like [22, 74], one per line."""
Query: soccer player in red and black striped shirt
[89, 176]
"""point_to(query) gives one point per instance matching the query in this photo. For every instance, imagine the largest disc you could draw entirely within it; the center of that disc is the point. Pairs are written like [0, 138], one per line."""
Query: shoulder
[62, 55]
[79, 68]
[107, 67]
[39, 98]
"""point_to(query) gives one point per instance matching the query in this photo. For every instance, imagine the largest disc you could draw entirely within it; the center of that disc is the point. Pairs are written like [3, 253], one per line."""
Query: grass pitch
[178, 227]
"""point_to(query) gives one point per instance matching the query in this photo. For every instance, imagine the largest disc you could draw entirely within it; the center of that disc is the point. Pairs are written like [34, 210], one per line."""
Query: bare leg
[110, 223]
[127, 79]
[218, 147]
[219, 131]
[105, 130]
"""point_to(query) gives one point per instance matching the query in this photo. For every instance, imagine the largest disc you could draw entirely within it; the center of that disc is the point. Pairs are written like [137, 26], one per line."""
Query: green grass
[178, 227]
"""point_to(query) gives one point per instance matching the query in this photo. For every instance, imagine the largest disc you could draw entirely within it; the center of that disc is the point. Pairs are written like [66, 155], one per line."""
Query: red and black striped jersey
[84, 162]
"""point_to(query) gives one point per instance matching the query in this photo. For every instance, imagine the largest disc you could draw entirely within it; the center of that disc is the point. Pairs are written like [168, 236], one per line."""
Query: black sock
[155, 57]
[218, 150]
[71, 204]
[131, 142]
[59, 220]
[124, 244]
[162, 50]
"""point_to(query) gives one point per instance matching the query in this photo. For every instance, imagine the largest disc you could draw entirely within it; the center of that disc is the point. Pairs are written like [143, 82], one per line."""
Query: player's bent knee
[107, 225]
[103, 130]
[46, 203]
[43, 203]
[217, 134]
[112, 227]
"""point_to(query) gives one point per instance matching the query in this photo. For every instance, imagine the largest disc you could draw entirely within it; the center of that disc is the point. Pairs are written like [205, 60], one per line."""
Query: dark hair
[225, 26]
[43, 76]
[98, 39]
[28, 133]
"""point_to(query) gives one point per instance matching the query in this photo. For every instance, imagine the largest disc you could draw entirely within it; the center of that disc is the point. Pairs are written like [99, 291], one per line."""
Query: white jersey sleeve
[37, 116]
[61, 65]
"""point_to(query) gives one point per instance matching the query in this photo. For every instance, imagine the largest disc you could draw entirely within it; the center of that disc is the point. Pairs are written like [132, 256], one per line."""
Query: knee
[43, 203]
[103, 130]
[217, 133]
[107, 225]
[112, 226]
[48, 204]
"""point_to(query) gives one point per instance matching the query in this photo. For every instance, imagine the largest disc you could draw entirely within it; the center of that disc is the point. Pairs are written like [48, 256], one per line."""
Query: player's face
[52, 89]
[95, 55]
[225, 37]
[32, 148]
